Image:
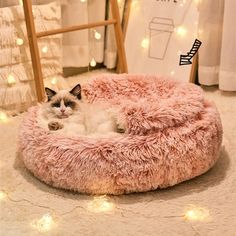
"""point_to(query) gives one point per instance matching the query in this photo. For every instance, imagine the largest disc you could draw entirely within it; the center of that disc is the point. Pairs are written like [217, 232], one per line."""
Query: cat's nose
[63, 110]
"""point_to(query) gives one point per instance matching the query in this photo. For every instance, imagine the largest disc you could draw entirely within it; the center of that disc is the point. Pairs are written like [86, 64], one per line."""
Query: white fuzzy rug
[24, 199]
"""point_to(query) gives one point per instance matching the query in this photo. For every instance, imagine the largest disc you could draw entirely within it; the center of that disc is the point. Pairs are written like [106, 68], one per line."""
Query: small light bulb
[44, 224]
[54, 81]
[97, 35]
[197, 1]
[100, 204]
[82, 1]
[181, 4]
[145, 43]
[19, 41]
[3, 117]
[21, 2]
[181, 31]
[200, 31]
[172, 72]
[135, 4]
[3, 195]
[11, 79]
[93, 62]
[45, 49]
[196, 214]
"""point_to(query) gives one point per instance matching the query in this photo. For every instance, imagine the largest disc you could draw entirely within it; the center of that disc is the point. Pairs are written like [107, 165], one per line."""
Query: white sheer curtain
[217, 55]
[110, 42]
[80, 47]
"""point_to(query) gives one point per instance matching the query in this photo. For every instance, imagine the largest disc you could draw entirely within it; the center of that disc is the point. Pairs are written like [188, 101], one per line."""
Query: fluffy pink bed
[173, 135]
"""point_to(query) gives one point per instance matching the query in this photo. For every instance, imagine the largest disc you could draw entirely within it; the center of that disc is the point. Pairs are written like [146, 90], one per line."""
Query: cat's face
[64, 103]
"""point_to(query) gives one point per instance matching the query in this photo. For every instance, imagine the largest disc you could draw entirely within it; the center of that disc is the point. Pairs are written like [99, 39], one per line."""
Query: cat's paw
[121, 128]
[55, 125]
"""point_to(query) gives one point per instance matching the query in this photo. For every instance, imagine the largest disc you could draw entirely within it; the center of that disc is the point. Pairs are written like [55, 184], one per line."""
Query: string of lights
[102, 205]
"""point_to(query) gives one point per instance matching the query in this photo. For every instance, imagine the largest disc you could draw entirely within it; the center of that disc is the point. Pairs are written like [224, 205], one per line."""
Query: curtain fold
[227, 77]
[110, 58]
[217, 55]
[80, 47]
[75, 44]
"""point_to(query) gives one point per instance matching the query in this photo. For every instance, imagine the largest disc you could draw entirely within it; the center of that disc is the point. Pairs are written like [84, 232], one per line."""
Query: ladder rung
[75, 28]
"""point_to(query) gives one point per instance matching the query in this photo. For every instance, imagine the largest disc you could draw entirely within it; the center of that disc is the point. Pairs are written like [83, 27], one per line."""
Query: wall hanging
[163, 31]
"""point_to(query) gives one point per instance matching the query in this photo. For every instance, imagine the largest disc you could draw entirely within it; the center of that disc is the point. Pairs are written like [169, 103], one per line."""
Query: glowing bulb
[100, 204]
[44, 224]
[182, 4]
[19, 41]
[54, 81]
[45, 49]
[145, 43]
[196, 214]
[3, 195]
[172, 72]
[11, 79]
[197, 1]
[200, 31]
[82, 1]
[97, 35]
[21, 2]
[181, 31]
[135, 4]
[3, 117]
[93, 62]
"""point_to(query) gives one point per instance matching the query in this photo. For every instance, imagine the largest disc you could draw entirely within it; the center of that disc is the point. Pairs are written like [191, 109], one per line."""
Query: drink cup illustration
[160, 33]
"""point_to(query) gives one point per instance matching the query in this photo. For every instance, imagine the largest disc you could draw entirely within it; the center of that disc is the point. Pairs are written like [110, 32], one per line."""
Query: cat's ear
[76, 91]
[50, 93]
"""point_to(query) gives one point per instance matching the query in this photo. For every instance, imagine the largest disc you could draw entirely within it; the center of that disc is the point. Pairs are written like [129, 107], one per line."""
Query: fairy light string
[103, 205]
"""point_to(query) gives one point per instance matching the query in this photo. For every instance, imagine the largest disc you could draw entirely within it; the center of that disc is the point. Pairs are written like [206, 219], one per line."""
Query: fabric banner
[159, 31]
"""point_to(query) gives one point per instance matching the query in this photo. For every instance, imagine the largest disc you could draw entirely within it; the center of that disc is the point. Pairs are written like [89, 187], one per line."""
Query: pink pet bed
[173, 135]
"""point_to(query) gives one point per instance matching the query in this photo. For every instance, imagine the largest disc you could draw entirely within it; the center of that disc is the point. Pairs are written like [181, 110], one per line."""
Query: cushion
[173, 135]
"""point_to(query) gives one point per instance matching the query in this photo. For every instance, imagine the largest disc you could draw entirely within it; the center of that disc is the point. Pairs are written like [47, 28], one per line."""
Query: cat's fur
[67, 113]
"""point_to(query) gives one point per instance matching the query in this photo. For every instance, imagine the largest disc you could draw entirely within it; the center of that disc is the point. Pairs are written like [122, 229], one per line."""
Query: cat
[67, 113]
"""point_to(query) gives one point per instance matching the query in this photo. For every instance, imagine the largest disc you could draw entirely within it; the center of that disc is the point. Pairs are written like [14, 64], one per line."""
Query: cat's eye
[69, 104]
[56, 104]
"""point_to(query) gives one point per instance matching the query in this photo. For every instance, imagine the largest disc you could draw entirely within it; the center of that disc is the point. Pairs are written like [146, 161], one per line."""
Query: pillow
[17, 90]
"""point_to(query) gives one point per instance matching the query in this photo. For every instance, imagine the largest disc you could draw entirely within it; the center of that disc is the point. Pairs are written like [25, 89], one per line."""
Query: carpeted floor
[202, 206]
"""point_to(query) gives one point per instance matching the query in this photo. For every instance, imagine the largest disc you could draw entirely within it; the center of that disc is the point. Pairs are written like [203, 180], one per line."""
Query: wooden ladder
[34, 50]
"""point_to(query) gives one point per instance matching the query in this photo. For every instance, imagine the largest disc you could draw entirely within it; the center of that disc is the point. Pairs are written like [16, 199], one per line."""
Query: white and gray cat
[67, 113]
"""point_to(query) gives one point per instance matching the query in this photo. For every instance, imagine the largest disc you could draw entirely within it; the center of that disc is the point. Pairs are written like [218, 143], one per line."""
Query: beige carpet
[203, 206]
